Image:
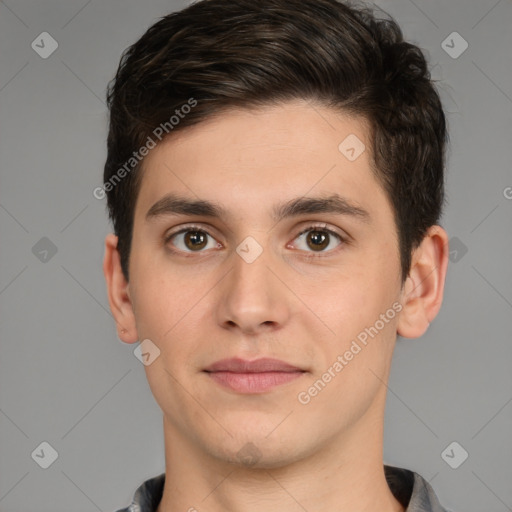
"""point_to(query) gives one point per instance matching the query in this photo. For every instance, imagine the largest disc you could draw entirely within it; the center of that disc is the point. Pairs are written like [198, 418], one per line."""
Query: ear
[118, 292]
[422, 293]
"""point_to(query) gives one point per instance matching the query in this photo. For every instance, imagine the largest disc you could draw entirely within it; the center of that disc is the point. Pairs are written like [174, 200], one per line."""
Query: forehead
[245, 158]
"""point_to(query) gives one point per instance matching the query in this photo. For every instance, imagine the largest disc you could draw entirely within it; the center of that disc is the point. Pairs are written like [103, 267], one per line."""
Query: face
[295, 258]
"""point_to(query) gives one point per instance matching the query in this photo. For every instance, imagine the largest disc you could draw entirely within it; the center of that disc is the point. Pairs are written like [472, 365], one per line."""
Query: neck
[346, 473]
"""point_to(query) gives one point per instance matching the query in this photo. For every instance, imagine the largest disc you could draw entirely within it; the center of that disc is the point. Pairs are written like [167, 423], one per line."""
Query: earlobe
[422, 294]
[118, 292]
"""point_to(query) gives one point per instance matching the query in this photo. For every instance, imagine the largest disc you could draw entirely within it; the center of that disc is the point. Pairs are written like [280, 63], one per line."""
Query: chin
[256, 451]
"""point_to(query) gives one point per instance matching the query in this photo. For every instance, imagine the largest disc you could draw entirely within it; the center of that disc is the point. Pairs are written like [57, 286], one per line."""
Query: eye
[313, 239]
[192, 239]
[318, 239]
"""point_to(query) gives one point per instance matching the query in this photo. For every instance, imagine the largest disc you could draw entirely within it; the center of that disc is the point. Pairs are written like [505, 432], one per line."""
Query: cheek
[170, 313]
[160, 299]
[342, 299]
[355, 309]
[353, 367]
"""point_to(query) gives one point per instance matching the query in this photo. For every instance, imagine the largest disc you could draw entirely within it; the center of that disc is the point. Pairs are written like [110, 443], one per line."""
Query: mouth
[250, 377]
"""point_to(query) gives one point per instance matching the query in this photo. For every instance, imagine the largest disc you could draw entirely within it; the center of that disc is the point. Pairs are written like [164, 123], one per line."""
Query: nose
[251, 298]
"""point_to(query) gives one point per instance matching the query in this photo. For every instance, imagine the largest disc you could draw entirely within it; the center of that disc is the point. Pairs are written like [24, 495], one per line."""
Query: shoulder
[147, 496]
[412, 490]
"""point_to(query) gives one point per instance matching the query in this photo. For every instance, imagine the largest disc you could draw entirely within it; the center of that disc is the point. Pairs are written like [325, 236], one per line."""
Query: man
[275, 181]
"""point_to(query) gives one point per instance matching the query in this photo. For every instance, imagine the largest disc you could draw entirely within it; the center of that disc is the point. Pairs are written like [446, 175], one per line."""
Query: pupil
[195, 240]
[319, 239]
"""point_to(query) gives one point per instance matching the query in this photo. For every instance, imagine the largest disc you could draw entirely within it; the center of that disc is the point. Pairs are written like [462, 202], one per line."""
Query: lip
[238, 365]
[256, 376]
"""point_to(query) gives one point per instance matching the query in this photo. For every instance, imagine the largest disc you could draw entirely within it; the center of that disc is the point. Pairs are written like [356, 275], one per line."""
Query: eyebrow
[172, 204]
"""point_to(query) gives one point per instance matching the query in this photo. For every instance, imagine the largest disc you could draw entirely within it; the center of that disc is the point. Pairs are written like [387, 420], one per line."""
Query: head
[245, 105]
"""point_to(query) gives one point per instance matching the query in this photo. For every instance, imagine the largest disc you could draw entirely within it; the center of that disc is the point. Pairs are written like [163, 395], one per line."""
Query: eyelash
[313, 227]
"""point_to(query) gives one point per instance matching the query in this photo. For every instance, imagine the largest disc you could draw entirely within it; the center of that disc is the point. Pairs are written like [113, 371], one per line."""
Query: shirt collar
[408, 487]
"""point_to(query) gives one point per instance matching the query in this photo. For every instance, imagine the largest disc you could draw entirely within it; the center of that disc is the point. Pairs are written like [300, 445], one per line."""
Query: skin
[323, 455]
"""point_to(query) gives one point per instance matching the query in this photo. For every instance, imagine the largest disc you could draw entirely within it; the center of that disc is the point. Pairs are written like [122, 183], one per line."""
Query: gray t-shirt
[408, 487]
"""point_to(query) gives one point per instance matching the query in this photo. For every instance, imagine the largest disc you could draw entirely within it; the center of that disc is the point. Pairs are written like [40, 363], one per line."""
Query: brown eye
[318, 239]
[190, 240]
[195, 240]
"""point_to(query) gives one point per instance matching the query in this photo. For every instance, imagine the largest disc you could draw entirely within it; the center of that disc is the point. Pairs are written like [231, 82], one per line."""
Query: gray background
[66, 379]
